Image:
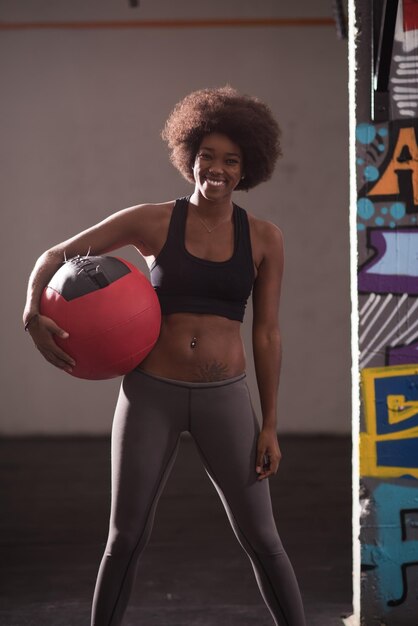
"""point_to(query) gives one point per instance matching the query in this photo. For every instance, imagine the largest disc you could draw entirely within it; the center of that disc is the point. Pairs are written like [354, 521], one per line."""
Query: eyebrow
[227, 153]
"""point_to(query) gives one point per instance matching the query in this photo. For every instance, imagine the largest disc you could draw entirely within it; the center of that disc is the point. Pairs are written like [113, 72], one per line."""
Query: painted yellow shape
[396, 414]
[368, 464]
[368, 376]
[400, 410]
[387, 184]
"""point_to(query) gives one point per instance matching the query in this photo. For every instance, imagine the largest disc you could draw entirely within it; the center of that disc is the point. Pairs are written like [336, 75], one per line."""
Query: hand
[42, 330]
[268, 453]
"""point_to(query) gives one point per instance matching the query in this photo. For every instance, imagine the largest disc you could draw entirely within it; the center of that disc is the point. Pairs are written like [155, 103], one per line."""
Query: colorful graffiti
[387, 224]
[389, 485]
[394, 552]
[390, 278]
[399, 177]
[389, 445]
[390, 189]
[405, 74]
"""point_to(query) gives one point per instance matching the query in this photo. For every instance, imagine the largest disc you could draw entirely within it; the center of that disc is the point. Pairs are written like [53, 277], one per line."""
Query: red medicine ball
[110, 311]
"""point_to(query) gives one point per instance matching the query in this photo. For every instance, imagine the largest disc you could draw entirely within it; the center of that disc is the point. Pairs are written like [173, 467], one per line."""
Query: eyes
[207, 156]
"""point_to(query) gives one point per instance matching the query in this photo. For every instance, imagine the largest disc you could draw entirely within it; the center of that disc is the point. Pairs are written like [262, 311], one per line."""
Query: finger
[53, 327]
[44, 334]
[63, 356]
[260, 460]
[56, 330]
[62, 365]
[269, 469]
[61, 333]
[51, 349]
[265, 474]
[267, 461]
[50, 345]
[52, 358]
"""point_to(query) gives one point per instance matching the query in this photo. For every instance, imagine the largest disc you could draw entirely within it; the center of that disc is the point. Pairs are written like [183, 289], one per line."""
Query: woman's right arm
[135, 225]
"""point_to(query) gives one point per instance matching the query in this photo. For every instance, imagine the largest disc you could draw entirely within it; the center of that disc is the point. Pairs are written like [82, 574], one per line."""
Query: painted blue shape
[379, 221]
[397, 453]
[392, 224]
[406, 386]
[384, 210]
[394, 268]
[365, 208]
[361, 226]
[382, 132]
[391, 552]
[360, 161]
[381, 147]
[371, 173]
[365, 133]
[400, 254]
[397, 210]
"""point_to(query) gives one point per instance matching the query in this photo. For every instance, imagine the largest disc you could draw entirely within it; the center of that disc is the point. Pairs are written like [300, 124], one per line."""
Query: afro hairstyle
[246, 120]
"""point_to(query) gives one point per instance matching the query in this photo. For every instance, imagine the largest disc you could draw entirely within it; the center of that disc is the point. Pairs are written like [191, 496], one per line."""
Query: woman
[206, 255]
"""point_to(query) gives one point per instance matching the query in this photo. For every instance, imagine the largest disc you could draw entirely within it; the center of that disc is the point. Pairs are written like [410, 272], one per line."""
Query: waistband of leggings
[192, 385]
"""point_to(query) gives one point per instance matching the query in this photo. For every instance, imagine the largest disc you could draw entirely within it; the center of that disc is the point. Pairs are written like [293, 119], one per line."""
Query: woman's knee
[124, 542]
[263, 540]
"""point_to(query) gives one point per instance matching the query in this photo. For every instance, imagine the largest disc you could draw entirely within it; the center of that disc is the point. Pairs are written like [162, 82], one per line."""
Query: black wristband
[29, 321]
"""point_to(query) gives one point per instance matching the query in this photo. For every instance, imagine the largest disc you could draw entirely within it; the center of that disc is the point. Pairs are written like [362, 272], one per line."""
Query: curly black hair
[246, 120]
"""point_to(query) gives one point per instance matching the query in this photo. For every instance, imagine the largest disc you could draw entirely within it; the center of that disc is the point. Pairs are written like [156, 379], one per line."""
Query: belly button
[193, 342]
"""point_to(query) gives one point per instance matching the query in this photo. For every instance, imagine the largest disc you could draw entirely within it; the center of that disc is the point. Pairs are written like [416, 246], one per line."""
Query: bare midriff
[197, 348]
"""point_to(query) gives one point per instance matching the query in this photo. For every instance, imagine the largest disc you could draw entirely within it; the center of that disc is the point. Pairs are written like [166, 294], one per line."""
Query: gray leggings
[150, 415]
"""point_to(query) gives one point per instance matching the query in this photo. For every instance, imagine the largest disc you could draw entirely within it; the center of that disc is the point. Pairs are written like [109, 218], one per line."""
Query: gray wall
[81, 113]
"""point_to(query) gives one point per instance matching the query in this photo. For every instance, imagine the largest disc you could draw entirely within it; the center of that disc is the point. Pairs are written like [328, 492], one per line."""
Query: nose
[216, 167]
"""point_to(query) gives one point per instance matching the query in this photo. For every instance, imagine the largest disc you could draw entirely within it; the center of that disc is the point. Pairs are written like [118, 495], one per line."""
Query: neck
[214, 207]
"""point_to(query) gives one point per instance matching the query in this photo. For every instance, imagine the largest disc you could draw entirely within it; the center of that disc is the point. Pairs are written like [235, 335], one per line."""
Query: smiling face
[218, 166]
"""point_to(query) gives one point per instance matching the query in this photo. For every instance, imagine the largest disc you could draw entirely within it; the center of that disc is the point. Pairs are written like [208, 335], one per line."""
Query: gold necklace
[210, 230]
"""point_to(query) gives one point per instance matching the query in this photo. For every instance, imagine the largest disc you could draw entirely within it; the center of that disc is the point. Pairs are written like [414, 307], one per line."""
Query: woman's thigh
[145, 434]
[225, 429]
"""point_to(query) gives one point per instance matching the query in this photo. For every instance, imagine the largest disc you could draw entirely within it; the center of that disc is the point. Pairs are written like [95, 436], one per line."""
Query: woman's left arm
[267, 346]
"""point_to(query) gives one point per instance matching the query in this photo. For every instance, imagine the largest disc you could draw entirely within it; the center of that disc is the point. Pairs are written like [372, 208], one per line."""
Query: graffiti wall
[387, 214]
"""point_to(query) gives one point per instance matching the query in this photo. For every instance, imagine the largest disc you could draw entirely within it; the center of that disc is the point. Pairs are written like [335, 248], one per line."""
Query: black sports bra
[186, 283]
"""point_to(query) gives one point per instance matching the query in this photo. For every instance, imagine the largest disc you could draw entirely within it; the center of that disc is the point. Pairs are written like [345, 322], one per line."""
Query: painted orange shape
[405, 157]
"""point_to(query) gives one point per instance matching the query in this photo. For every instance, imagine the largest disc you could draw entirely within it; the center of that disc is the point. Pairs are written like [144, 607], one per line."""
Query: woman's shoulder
[267, 250]
[151, 221]
[266, 240]
[264, 231]
[155, 209]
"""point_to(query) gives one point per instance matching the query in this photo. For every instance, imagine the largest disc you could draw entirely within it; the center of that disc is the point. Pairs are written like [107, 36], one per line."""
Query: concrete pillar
[386, 138]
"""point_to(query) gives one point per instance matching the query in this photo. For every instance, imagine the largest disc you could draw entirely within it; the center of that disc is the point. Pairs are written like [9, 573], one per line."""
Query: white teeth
[216, 182]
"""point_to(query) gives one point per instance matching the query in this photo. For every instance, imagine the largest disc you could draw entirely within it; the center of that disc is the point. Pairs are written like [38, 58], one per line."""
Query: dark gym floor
[54, 515]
